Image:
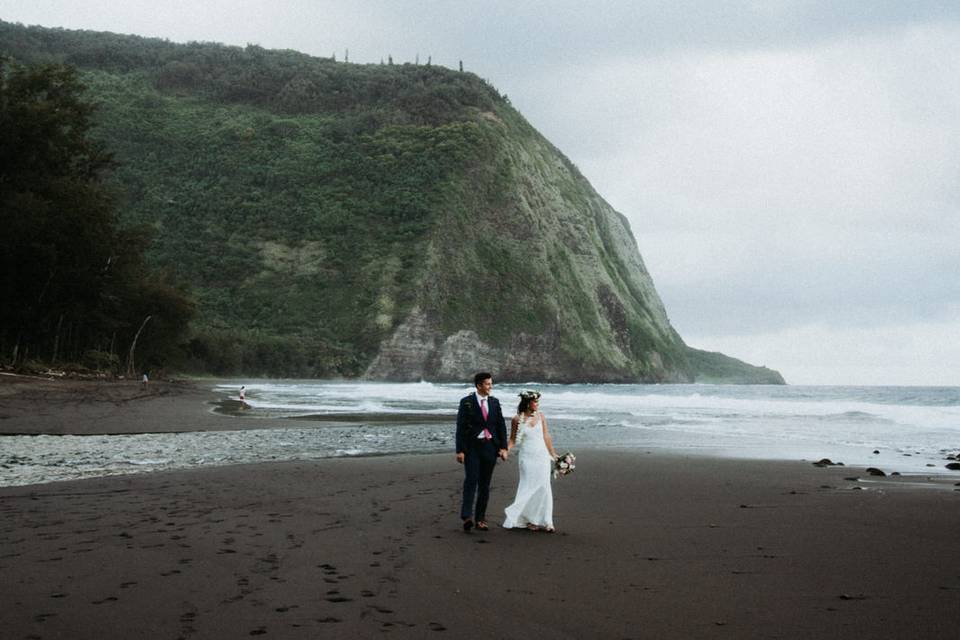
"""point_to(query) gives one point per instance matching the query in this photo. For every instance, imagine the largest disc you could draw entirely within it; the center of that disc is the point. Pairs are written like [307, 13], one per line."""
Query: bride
[533, 506]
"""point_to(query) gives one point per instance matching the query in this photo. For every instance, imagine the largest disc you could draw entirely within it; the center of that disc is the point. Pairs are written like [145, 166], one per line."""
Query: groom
[481, 439]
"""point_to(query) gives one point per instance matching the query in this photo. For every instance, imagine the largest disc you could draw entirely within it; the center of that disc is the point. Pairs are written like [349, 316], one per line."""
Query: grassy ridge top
[281, 81]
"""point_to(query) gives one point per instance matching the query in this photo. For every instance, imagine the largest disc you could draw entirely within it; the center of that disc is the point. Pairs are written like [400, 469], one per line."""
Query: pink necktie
[483, 409]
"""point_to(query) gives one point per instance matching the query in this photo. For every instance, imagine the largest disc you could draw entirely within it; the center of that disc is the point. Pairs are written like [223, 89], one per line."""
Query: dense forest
[75, 285]
[315, 210]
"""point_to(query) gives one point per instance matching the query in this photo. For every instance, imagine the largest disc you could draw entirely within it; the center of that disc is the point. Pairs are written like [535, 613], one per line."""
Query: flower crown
[529, 395]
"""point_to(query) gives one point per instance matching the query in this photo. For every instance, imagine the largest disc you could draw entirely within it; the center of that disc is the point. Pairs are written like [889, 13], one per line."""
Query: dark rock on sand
[875, 472]
[827, 462]
[954, 466]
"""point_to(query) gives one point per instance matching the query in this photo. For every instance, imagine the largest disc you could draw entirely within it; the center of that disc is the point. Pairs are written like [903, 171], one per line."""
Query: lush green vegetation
[312, 206]
[75, 286]
[297, 195]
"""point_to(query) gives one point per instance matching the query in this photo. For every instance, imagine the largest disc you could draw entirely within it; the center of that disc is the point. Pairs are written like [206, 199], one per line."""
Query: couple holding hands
[482, 438]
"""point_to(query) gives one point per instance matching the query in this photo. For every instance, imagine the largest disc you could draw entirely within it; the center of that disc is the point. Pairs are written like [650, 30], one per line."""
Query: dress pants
[479, 461]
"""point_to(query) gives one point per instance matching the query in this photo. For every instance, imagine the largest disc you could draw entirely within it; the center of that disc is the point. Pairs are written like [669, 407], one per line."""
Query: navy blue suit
[480, 454]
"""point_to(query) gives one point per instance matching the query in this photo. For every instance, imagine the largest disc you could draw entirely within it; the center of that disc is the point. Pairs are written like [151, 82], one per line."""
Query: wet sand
[32, 405]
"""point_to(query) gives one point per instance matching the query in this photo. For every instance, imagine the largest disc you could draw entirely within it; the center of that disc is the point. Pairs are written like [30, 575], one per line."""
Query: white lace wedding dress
[534, 501]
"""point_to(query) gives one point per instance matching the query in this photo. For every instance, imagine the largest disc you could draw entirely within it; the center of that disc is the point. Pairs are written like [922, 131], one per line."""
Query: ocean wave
[146, 463]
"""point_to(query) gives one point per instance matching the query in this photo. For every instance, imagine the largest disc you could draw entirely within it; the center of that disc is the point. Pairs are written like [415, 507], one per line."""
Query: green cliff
[397, 222]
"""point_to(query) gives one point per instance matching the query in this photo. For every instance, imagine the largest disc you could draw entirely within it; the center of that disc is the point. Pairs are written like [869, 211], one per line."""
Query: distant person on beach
[146, 379]
[533, 505]
[243, 398]
[481, 439]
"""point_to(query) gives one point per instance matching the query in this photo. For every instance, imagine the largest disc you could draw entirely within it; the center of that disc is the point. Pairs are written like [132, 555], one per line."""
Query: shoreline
[31, 406]
[855, 477]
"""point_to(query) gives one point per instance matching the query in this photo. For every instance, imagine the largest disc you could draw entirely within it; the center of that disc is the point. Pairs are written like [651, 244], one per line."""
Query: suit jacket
[470, 422]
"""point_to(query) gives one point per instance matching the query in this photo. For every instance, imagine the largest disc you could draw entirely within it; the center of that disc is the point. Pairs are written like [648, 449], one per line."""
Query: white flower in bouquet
[564, 465]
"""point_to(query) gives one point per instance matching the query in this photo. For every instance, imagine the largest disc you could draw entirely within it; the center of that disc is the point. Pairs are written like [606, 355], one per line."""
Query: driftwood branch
[131, 368]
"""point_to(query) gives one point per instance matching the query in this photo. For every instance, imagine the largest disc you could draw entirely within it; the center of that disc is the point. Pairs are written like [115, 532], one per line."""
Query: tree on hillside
[73, 282]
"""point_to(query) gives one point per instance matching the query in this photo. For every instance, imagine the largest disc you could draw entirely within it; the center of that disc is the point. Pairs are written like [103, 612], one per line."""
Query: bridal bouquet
[564, 464]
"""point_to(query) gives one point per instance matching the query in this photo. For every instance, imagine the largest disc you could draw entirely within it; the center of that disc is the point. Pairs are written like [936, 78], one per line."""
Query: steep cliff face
[392, 222]
[534, 276]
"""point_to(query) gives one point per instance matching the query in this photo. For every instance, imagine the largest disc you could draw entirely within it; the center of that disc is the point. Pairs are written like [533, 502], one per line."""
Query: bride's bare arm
[547, 440]
[513, 432]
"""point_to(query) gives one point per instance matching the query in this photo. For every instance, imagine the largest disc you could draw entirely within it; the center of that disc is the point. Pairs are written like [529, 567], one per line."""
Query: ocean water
[911, 429]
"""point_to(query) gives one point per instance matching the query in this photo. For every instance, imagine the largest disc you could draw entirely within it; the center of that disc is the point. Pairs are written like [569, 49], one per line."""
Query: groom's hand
[460, 457]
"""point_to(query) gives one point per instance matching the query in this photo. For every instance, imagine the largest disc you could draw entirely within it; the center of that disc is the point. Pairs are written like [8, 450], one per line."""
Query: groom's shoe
[467, 524]
[482, 526]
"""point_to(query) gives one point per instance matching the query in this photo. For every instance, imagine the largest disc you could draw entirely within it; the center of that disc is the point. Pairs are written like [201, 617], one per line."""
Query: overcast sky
[791, 169]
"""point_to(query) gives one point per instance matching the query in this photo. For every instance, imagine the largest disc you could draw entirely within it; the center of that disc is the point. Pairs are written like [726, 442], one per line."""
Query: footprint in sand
[336, 599]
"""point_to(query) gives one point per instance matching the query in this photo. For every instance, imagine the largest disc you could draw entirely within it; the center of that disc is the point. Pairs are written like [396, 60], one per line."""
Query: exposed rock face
[409, 352]
[417, 352]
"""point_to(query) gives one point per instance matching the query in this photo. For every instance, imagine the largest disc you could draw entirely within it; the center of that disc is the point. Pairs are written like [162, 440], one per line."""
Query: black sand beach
[649, 546]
